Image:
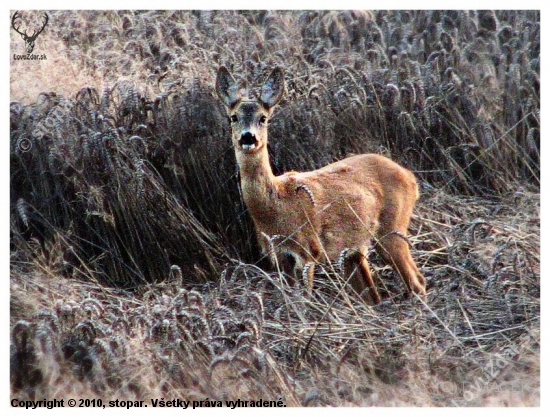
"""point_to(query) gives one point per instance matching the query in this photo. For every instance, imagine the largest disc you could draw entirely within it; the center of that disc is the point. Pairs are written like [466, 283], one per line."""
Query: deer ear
[273, 88]
[227, 88]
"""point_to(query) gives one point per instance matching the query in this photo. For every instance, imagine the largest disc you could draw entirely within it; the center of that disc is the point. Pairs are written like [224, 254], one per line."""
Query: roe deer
[318, 214]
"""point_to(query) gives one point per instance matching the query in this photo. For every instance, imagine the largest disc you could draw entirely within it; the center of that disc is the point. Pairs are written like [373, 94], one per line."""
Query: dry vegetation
[134, 270]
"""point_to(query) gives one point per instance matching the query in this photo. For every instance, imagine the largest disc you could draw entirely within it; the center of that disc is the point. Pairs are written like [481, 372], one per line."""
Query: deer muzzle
[248, 141]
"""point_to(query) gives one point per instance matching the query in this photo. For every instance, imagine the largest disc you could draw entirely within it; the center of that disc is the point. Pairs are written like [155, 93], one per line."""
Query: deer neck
[258, 182]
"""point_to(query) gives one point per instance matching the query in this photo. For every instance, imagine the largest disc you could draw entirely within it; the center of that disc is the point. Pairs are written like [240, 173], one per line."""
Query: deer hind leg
[364, 270]
[394, 248]
[361, 279]
[392, 244]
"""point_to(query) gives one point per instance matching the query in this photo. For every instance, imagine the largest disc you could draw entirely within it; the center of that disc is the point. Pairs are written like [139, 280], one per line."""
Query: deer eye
[263, 120]
[234, 119]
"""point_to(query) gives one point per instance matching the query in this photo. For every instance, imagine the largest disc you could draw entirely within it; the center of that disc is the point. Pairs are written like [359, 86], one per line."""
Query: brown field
[135, 271]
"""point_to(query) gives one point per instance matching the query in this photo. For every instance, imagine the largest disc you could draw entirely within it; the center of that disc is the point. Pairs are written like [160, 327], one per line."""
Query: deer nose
[248, 138]
[248, 141]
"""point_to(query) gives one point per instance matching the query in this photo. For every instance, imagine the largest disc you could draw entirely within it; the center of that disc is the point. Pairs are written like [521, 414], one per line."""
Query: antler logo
[29, 40]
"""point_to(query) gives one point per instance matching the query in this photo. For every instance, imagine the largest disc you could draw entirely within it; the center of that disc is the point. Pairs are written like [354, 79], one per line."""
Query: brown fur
[314, 216]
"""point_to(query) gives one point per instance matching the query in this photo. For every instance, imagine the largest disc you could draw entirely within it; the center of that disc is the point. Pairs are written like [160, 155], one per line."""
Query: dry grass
[134, 273]
[250, 336]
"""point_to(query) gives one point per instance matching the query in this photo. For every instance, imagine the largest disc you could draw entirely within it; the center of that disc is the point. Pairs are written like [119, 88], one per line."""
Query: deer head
[29, 40]
[249, 118]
